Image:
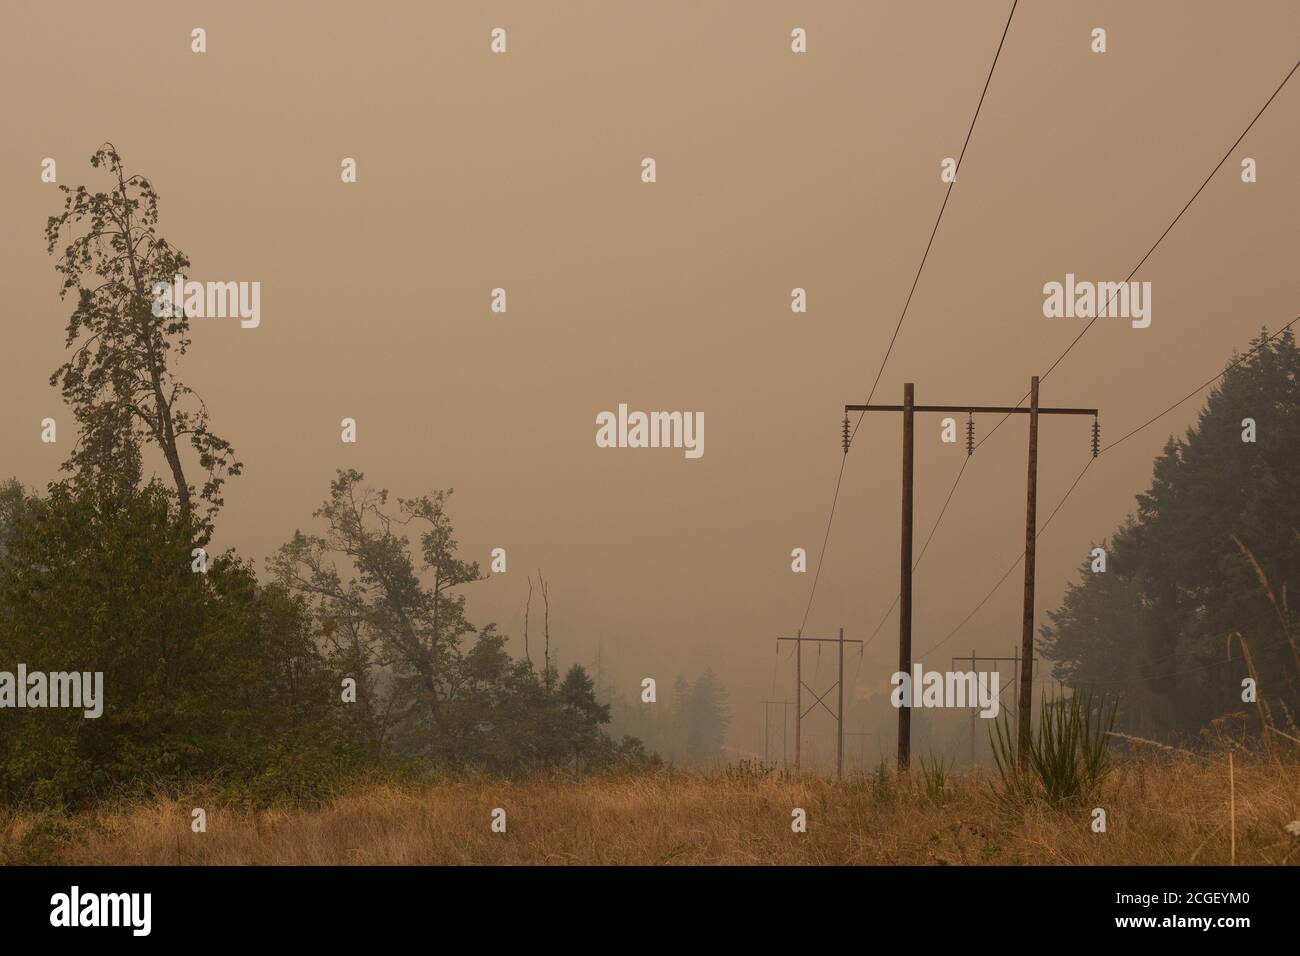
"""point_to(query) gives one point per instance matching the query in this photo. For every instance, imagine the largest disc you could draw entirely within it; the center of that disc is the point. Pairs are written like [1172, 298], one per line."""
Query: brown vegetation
[1160, 810]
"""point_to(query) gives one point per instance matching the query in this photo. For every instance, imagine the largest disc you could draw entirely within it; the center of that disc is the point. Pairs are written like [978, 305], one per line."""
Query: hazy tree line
[688, 729]
[1186, 573]
[209, 669]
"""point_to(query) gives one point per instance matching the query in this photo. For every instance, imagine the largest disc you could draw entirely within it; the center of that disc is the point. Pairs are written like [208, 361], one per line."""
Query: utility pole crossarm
[826, 640]
[971, 409]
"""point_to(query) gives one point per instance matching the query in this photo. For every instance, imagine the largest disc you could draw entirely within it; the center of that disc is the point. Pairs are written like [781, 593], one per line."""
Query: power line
[1150, 421]
[1014, 564]
[929, 538]
[1054, 364]
[909, 409]
[1155, 418]
[1168, 229]
[933, 232]
[1125, 437]
[1090, 324]
[903, 315]
[821, 557]
[1217, 167]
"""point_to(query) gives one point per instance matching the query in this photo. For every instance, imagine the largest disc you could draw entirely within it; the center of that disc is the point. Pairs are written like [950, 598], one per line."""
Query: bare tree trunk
[527, 609]
[546, 625]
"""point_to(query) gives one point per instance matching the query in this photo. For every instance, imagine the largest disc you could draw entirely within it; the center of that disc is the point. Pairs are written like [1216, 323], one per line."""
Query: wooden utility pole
[905, 581]
[909, 408]
[839, 720]
[798, 699]
[1025, 708]
[972, 713]
[800, 713]
[1017, 678]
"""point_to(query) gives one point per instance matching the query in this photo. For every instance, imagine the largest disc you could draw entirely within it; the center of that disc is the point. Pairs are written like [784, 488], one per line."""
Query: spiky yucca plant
[1069, 754]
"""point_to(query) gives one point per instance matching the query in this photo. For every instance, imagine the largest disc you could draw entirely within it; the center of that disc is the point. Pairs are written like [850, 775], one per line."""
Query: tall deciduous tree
[120, 379]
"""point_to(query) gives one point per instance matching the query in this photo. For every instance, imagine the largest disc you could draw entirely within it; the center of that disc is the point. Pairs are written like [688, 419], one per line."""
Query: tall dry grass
[1160, 810]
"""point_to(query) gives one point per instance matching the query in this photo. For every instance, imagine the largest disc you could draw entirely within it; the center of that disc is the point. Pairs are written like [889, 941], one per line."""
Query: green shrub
[1069, 753]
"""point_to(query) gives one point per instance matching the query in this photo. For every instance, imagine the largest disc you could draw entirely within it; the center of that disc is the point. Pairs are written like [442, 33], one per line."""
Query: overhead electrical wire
[1061, 357]
[1146, 424]
[839, 480]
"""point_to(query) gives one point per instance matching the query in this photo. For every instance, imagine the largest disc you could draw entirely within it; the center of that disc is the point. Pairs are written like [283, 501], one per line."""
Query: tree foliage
[385, 586]
[120, 378]
[1154, 626]
[203, 673]
[207, 670]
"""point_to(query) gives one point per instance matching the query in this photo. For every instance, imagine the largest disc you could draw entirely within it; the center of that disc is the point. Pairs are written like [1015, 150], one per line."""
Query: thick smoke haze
[773, 172]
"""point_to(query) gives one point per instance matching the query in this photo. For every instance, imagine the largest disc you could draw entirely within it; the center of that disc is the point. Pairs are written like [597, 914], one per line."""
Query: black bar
[342, 907]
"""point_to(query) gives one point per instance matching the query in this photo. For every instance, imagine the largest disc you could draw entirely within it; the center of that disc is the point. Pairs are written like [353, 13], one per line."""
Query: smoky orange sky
[775, 171]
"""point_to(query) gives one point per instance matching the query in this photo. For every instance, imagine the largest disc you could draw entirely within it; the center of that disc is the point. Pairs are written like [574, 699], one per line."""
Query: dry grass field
[1164, 811]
